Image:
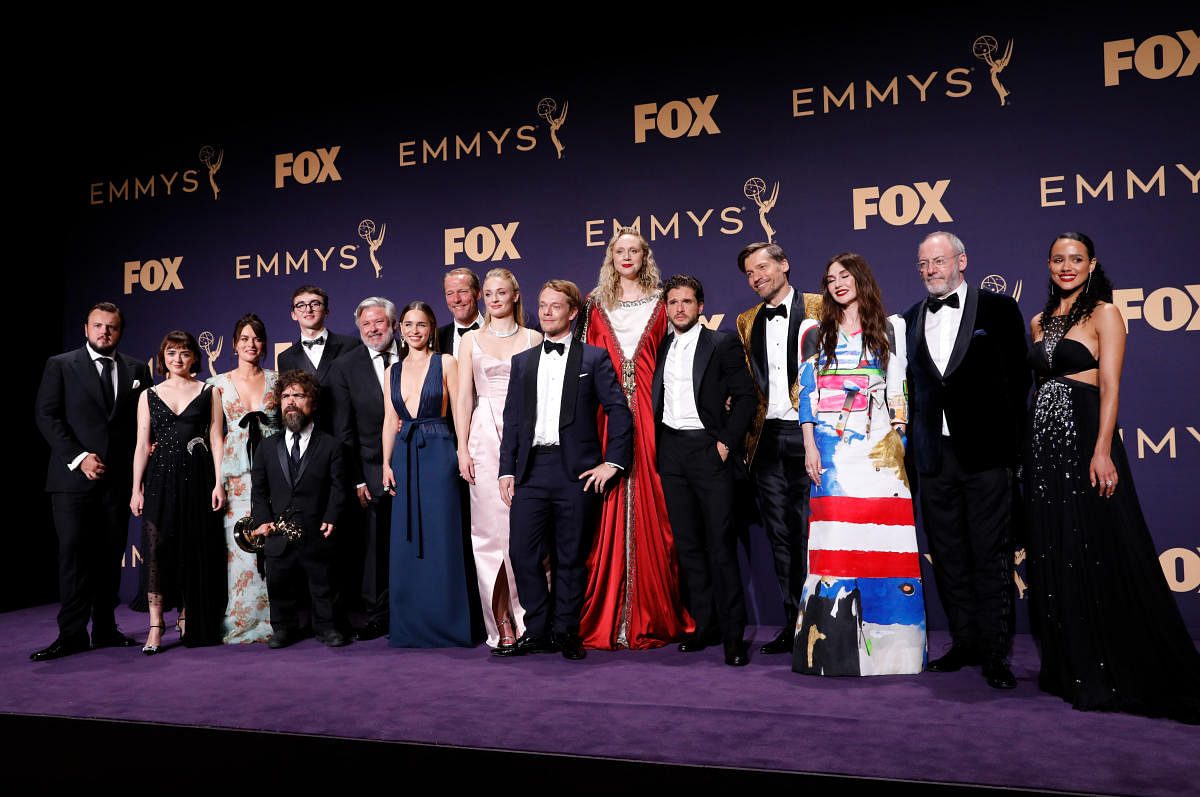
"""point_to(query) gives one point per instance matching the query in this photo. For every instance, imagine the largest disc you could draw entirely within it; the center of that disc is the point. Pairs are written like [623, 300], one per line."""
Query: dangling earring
[1087, 285]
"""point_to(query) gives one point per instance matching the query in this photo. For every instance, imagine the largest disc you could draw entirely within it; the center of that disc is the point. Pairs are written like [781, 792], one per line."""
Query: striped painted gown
[862, 608]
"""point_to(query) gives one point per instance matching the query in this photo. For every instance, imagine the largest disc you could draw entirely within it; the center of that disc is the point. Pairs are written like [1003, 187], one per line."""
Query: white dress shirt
[456, 338]
[314, 352]
[97, 358]
[779, 395]
[941, 331]
[679, 395]
[305, 436]
[377, 362]
[552, 369]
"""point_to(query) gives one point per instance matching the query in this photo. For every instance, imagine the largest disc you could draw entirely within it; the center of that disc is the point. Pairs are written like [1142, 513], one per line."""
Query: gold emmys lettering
[754, 188]
[258, 265]
[458, 146]
[1105, 186]
[664, 226]
[366, 229]
[984, 48]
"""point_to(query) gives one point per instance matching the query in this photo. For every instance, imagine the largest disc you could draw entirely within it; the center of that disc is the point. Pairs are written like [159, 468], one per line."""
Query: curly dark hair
[306, 381]
[1098, 288]
[870, 311]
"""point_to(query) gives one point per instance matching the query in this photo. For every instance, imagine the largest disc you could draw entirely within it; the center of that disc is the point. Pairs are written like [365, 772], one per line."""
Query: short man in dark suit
[550, 445]
[297, 476]
[86, 408]
[462, 290]
[968, 382]
[697, 371]
[775, 444]
[318, 346]
[356, 384]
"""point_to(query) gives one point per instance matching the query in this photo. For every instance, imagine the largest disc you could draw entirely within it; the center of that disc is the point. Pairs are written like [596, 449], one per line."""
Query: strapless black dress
[1108, 628]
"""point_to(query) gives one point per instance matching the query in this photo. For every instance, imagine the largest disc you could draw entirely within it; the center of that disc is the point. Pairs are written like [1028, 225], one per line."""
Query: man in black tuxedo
[461, 286]
[356, 384]
[318, 346]
[775, 444]
[968, 382]
[697, 371]
[550, 445]
[297, 476]
[86, 408]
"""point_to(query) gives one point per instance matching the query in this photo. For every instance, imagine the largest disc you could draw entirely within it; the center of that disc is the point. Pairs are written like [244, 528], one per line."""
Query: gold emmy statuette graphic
[248, 541]
[212, 159]
[997, 284]
[366, 229]
[984, 48]
[754, 188]
[546, 109]
[206, 342]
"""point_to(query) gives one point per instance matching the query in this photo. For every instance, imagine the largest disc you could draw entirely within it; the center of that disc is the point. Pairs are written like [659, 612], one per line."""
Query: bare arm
[1110, 332]
[391, 425]
[216, 441]
[141, 453]
[463, 406]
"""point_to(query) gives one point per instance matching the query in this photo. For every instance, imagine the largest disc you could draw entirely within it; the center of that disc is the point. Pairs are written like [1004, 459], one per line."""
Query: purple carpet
[658, 706]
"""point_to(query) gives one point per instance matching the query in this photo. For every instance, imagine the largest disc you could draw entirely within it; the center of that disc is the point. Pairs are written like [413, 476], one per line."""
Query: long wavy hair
[433, 338]
[870, 312]
[608, 288]
[1098, 288]
[510, 278]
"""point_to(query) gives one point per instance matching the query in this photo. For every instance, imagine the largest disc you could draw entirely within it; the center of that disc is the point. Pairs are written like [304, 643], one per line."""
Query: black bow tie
[934, 304]
[548, 347]
[308, 344]
[776, 312]
[464, 330]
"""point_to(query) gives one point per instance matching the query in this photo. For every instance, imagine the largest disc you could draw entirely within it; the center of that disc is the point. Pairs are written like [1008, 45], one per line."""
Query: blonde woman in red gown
[632, 598]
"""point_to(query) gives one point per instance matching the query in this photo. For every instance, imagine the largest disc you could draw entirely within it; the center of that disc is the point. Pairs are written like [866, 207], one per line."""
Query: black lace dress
[183, 539]
[1107, 625]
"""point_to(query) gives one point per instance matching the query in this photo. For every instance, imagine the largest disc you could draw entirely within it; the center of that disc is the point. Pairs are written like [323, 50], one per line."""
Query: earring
[1087, 285]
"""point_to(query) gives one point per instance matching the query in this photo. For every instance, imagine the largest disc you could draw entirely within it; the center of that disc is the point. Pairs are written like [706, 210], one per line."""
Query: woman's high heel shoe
[509, 639]
[149, 649]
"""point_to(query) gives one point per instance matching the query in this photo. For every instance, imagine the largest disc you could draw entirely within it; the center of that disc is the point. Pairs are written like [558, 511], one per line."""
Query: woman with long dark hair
[862, 611]
[1108, 628]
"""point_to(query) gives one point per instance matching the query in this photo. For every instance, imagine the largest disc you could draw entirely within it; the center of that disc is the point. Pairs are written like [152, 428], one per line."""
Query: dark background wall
[876, 130]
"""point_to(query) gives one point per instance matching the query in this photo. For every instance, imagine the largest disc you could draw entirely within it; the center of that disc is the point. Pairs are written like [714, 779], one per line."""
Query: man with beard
[698, 370]
[356, 384]
[86, 408]
[297, 477]
[775, 444]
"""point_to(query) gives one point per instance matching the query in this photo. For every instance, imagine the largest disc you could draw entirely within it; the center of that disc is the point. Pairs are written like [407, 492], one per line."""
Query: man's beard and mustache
[104, 350]
[378, 347]
[684, 330]
[295, 419]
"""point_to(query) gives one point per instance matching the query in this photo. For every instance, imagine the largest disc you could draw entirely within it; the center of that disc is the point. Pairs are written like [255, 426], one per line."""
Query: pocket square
[979, 333]
[136, 384]
[585, 373]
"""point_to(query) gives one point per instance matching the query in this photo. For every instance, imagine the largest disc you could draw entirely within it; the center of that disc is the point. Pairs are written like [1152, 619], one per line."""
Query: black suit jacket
[294, 357]
[69, 411]
[358, 417]
[983, 391]
[588, 384]
[315, 497]
[718, 372]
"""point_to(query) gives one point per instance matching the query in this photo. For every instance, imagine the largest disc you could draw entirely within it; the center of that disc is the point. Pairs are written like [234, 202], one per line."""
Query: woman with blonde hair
[632, 598]
[484, 362]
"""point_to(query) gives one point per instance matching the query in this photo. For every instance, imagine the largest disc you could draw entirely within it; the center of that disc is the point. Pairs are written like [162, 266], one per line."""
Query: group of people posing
[577, 487]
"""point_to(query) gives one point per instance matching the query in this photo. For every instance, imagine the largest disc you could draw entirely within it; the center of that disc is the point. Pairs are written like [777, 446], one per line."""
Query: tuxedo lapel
[656, 387]
[758, 350]
[566, 413]
[795, 316]
[529, 421]
[966, 329]
[88, 377]
[704, 353]
[284, 465]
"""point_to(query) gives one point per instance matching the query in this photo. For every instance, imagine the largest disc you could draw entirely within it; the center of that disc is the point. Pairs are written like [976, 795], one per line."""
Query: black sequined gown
[183, 539]
[1108, 628]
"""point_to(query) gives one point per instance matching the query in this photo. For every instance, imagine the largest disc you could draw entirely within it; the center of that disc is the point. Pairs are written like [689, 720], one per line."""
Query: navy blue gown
[430, 602]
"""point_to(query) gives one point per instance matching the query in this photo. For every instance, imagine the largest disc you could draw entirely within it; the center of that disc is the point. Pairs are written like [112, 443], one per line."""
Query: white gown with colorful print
[862, 609]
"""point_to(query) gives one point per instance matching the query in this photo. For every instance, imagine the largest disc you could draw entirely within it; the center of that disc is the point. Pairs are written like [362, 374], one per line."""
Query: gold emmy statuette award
[248, 541]
[366, 231]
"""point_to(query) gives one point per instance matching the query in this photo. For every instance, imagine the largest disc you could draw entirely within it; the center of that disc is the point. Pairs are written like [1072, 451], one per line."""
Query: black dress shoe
[61, 647]
[527, 644]
[736, 653]
[697, 642]
[998, 674]
[781, 643]
[371, 630]
[333, 639]
[957, 657]
[282, 637]
[570, 645]
[111, 638]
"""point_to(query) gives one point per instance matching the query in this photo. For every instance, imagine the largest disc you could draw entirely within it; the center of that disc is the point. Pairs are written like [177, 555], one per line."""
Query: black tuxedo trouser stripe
[92, 528]
[698, 488]
[551, 515]
[967, 517]
[782, 484]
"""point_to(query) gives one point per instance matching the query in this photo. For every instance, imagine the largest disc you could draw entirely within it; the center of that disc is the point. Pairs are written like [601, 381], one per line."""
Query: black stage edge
[49, 755]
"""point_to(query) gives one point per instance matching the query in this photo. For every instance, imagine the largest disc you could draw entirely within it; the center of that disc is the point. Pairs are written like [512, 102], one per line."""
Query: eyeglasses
[937, 262]
[313, 306]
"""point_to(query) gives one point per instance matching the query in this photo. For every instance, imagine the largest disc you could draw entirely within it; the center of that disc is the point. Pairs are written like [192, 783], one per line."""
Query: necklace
[508, 334]
[634, 302]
